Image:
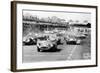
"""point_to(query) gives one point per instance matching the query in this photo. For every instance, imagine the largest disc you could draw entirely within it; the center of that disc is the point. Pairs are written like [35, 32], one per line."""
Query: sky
[80, 16]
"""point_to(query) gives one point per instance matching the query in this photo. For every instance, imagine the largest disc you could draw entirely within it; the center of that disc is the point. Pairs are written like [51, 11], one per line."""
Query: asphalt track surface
[63, 52]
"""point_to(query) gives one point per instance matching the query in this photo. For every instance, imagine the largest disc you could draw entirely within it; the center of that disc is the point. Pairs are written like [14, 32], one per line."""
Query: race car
[30, 41]
[55, 38]
[72, 40]
[81, 36]
[44, 43]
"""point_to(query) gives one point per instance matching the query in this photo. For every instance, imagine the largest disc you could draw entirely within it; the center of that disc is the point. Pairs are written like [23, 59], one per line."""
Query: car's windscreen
[42, 38]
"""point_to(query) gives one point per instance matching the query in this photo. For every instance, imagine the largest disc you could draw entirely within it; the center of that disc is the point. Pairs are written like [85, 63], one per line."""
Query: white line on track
[71, 53]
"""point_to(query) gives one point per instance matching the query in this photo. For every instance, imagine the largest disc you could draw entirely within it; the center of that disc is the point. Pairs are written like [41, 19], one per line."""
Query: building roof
[82, 25]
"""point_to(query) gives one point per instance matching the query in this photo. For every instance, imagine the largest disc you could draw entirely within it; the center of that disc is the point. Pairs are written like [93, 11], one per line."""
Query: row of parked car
[43, 42]
[51, 41]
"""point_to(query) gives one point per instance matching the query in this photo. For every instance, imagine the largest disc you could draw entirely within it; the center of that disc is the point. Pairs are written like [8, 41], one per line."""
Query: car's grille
[44, 48]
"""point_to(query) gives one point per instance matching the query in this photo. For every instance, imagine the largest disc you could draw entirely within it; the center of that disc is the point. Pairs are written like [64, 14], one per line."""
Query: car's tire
[59, 42]
[38, 49]
[54, 47]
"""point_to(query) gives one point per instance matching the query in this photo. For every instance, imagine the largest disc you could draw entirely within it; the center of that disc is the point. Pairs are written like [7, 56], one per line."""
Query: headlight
[39, 44]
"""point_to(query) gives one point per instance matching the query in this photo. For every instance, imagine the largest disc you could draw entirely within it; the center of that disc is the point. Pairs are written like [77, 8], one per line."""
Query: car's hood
[42, 42]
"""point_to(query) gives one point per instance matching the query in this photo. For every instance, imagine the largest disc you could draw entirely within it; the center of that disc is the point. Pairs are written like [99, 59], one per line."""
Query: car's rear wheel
[59, 42]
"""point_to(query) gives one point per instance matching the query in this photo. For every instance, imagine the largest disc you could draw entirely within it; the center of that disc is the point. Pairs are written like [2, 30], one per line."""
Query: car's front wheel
[54, 47]
[38, 49]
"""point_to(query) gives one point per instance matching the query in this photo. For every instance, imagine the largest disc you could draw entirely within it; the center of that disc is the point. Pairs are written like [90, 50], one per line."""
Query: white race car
[44, 44]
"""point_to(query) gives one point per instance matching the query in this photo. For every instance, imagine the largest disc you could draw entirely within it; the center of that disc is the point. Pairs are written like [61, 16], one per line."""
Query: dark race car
[30, 41]
[72, 40]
